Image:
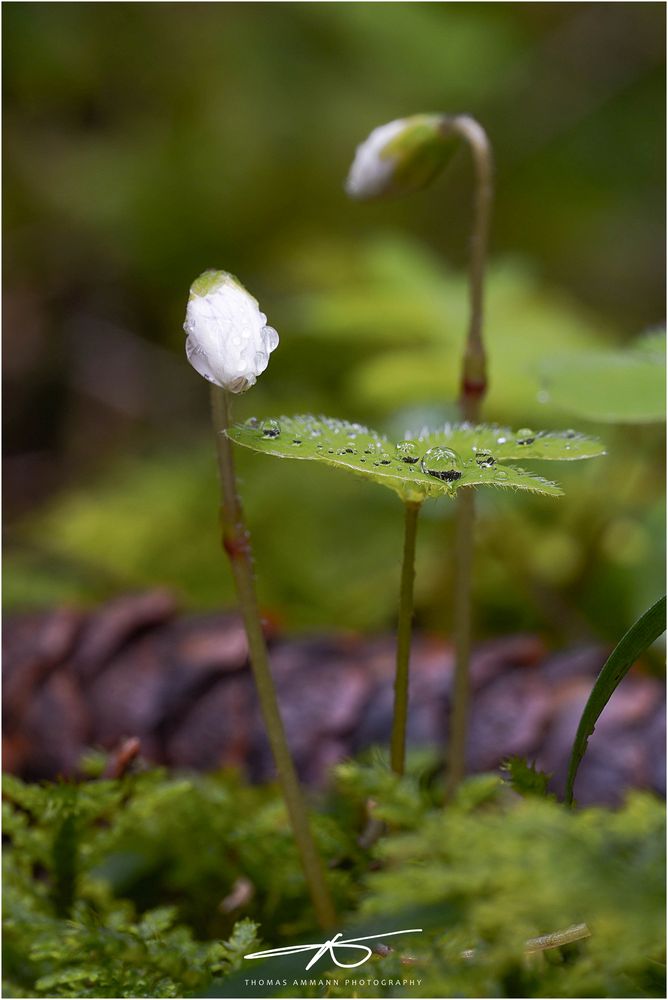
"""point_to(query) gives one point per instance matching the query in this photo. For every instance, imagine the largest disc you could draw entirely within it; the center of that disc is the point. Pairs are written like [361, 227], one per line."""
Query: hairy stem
[473, 386]
[460, 697]
[404, 630]
[236, 543]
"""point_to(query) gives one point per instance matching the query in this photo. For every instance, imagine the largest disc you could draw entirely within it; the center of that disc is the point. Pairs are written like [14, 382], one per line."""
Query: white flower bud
[399, 157]
[228, 341]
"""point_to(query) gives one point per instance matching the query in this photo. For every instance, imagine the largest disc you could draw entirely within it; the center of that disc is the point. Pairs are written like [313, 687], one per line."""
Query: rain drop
[485, 459]
[525, 436]
[408, 452]
[442, 463]
[270, 428]
[252, 422]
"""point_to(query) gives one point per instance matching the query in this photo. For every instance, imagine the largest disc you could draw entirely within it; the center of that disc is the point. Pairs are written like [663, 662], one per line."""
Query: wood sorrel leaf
[504, 444]
[428, 466]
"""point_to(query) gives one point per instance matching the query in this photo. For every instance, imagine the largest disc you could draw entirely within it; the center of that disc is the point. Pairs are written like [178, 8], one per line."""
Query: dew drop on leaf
[407, 451]
[442, 463]
[270, 428]
[525, 436]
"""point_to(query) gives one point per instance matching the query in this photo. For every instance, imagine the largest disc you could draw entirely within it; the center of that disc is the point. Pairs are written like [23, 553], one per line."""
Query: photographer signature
[331, 946]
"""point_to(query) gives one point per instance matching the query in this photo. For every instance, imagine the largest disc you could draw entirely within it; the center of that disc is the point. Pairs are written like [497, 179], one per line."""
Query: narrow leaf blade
[639, 637]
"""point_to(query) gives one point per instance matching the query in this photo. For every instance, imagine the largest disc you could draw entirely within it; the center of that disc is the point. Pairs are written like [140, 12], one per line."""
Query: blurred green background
[147, 142]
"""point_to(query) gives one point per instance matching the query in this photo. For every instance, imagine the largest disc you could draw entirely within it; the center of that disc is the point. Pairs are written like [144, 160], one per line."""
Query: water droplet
[252, 422]
[501, 474]
[408, 452]
[330, 451]
[485, 459]
[270, 428]
[442, 463]
[297, 441]
[525, 436]
[346, 451]
[501, 440]
[383, 459]
[270, 338]
[571, 434]
[543, 396]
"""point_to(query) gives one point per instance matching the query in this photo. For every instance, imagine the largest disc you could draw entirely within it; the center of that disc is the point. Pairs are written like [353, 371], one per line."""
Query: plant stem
[460, 697]
[404, 630]
[235, 540]
[473, 386]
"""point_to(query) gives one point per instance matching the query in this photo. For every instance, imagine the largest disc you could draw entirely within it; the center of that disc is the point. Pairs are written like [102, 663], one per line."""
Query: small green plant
[395, 159]
[424, 465]
[392, 161]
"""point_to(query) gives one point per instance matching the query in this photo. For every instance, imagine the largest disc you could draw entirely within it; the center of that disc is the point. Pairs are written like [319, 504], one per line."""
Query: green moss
[153, 911]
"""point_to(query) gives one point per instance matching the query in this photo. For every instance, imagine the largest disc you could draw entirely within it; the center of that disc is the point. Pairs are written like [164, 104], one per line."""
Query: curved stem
[236, 543]
[473, 386]
[404, 630]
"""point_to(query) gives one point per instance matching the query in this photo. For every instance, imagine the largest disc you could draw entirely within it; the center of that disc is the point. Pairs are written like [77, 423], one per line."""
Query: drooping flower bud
[400, 157]
[228, 341]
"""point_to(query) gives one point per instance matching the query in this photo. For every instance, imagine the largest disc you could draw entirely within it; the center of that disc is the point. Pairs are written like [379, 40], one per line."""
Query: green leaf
[639, 637]
[397, 465]
[505, 444]
[627, 386]
[525, 778]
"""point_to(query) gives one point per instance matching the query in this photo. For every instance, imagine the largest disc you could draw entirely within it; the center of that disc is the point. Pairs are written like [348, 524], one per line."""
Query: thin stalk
[404, 630]
[461, 683]
[236, 543]
[473, 386]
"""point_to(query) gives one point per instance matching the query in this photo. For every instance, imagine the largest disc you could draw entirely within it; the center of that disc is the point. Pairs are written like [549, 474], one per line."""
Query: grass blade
[639, 637]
